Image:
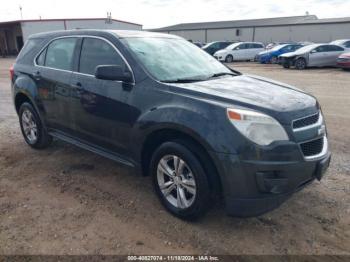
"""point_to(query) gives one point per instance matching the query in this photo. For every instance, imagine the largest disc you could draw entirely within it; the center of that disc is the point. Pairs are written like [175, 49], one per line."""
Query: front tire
[274, 60]
[180, 181]
[229, 59]
[33, 130]
[300, 64]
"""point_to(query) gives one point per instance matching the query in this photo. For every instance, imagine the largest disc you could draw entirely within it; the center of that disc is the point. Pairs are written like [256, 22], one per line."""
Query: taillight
[12, 72]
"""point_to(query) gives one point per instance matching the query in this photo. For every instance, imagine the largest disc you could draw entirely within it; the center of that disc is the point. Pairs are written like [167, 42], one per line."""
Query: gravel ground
[64, 200]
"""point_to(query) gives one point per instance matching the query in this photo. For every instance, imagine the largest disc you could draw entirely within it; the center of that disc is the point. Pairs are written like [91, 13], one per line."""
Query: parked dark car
[199, 44]
[212, 47]
[163, 107]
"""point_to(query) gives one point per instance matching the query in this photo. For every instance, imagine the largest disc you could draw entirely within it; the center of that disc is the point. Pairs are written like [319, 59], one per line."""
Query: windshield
[306, 48]
[337, 42]
[207, 45]
[172, 59]
[277, 47]
[232, 46]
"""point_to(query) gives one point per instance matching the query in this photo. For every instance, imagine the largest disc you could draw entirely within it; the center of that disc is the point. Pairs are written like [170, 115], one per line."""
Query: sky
[159, 13]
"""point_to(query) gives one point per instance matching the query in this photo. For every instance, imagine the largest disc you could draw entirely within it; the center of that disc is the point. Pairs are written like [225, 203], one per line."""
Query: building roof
[65, 19]
[276, 21]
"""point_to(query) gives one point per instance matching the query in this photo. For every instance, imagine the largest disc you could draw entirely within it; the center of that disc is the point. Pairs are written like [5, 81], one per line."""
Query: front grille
[306, 121]
[313, 147]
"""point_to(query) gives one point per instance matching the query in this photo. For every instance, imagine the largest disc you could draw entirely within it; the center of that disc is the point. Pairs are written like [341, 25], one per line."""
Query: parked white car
[239, 51]
[345, 43]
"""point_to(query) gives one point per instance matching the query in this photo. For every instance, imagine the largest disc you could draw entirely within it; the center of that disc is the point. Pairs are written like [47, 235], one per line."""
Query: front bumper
[290, 61]
[221, 58]
[342, 64]
[253, 187]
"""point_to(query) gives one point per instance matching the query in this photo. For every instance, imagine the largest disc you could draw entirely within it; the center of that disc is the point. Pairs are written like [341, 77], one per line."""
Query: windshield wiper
[222, 74]
[183, 80]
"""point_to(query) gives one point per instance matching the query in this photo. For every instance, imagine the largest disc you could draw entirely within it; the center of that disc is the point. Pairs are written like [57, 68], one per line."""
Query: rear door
[53, 73]
[254, 49]
[100, 111]
[333, 52]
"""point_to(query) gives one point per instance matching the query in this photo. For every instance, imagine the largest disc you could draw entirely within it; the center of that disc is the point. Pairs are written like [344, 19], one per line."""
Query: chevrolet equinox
[164, 107]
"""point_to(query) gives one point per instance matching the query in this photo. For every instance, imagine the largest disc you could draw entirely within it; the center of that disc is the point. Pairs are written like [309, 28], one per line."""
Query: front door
[318, 56]
[333, 53]
[99, 106]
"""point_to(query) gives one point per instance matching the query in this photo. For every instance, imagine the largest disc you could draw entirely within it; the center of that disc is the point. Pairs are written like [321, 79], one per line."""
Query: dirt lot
[65, 200]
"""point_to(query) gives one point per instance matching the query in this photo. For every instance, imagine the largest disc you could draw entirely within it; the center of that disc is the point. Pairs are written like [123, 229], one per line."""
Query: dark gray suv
[160, 105]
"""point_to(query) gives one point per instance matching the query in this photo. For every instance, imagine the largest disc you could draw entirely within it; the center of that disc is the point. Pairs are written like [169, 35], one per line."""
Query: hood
[290, 54]
[257, 93]
[221, 52]
[266, 52]
[295, 53]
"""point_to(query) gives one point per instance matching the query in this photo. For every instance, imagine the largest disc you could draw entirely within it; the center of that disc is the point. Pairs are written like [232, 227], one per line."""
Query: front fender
[191, 121]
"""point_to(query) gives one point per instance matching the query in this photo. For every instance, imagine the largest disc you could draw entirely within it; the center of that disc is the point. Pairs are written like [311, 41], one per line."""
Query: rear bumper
[252, 188]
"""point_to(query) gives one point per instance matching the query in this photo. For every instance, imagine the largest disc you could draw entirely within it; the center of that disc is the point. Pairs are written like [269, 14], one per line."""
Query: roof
[103, 32]
[276, 21]
[66, 19]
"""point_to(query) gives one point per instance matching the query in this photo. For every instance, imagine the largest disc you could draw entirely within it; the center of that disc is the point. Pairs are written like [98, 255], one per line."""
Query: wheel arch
[194, 143]
[21, 98]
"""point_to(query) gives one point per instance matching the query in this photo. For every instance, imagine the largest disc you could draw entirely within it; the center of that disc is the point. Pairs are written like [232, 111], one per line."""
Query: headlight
[259, 128]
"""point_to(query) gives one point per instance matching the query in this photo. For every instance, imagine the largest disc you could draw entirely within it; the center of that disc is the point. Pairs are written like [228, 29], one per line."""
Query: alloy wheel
[176, 181]
[30, 127]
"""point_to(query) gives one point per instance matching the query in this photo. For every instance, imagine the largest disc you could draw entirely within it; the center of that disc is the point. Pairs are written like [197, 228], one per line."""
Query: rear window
[28, 51]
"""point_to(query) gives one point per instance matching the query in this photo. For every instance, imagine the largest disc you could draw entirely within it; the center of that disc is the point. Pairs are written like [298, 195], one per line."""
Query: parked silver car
[315, 55]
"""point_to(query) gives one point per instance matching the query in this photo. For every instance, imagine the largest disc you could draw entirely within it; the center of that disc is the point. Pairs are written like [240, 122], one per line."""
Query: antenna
[109, 18]
[307, 13]
[20, 10]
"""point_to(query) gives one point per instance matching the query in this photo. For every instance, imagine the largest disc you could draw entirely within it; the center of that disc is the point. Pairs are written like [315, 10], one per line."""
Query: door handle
[78, 86]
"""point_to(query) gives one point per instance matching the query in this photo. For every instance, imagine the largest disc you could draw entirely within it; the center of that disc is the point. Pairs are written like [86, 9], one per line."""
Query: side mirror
[313, 51]
[113, 72]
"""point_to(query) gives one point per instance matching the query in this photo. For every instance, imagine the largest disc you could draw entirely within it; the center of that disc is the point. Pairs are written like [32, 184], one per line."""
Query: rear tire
[229, 59]
[33, 130]
[185, 193]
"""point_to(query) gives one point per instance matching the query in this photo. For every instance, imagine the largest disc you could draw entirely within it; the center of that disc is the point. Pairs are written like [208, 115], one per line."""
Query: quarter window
[41, 58]
[97, 52]
[60, 53]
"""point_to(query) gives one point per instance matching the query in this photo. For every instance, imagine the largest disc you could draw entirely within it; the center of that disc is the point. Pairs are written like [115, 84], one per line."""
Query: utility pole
[20, 9]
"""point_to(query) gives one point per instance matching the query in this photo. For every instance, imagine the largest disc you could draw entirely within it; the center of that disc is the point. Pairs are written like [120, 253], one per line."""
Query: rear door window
[335, 48]
[60, 53]
[257, 46]
[95, 52]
